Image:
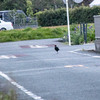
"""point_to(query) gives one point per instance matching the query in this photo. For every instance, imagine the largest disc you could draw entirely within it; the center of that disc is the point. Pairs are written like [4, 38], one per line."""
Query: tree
[13, 4]
[87, 2]
[40, 5]
[34, 6]
[29, 8]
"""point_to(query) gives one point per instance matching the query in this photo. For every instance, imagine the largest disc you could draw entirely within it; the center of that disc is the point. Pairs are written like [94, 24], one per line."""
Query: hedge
[58, 17]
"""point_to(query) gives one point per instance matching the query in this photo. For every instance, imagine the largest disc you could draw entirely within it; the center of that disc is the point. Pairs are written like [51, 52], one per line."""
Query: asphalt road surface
[36, 72]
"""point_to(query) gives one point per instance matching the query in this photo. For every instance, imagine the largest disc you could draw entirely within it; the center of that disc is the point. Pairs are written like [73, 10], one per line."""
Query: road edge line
[29, 93]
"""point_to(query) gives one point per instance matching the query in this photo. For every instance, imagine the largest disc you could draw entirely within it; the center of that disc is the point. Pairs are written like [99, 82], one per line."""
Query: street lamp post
[67, 10]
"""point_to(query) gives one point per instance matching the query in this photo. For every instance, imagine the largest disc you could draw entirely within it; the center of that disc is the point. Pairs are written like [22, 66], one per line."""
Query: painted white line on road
[11, 56]
[37, 46]
[96, 56]
[4, 57]
[76, 51]
[34, 46]
[71, 66]
[29, 93]
[7, 56]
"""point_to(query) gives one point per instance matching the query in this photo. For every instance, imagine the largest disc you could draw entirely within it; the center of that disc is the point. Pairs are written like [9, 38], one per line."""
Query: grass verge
[30, 34]
[49, 32]
[8, 96]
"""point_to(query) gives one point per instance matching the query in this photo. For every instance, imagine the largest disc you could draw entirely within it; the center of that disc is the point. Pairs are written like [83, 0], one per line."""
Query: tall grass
[49, 32]
[8, 96]
[29, 34]
[77, 37]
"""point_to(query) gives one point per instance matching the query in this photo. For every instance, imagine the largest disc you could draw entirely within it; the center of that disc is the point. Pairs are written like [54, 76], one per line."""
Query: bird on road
[56, 48]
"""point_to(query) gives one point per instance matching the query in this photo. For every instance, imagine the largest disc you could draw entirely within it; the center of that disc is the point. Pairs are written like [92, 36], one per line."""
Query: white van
[5, 25]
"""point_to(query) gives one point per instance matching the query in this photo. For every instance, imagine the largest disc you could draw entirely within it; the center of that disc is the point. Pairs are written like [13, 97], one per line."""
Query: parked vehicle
[13, 16]
[5, 25]
[18, 18]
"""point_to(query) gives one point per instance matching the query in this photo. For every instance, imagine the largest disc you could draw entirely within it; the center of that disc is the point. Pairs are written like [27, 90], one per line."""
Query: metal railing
[20, 23]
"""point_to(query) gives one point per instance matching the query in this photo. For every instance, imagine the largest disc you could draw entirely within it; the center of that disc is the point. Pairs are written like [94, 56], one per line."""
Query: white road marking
[10, 56]
[76, 51]
[96, 56]
[29, 93]
[71, 66]
[38, 46]
[7, 56]
[4, 57]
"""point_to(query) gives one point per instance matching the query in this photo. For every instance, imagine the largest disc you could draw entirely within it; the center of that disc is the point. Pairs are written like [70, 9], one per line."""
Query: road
[36, 72]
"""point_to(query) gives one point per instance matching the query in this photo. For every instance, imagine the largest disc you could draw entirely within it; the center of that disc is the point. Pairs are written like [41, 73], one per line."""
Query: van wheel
[3, 29]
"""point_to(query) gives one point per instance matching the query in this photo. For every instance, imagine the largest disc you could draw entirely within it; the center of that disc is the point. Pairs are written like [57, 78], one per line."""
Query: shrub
[58, 17]
[77, 38]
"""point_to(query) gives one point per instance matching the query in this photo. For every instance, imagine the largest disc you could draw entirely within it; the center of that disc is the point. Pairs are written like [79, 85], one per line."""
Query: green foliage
[29, 8]
[77, 38]
[52, 17]
[52, 32]
[8, 96]
[29, 34]
[37, 5]
[13, 4]
[30, 5]
[58, 17]
[41, 5]
[83, 14]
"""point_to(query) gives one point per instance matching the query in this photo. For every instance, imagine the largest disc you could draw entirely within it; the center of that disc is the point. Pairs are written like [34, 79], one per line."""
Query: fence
[20, 23]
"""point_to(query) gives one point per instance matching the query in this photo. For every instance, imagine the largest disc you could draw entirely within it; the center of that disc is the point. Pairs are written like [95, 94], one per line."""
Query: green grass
[30, 34]
[8, 96]
[48, 32]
